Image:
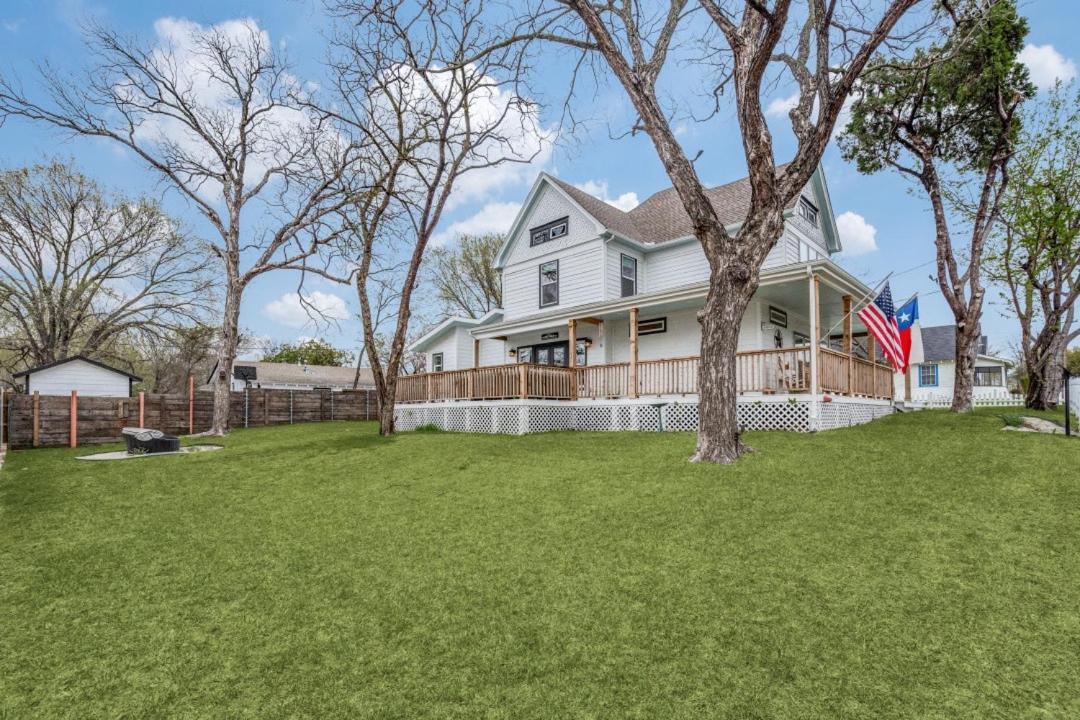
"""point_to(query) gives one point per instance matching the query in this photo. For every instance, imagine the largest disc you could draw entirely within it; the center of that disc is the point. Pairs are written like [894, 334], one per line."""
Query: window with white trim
[549, 283]
[628, 275]
[988, 377]
[436, 362]
[928, 375]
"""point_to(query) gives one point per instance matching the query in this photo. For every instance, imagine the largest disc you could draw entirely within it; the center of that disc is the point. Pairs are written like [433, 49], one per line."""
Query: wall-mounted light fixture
[513, 352]
[586, 341]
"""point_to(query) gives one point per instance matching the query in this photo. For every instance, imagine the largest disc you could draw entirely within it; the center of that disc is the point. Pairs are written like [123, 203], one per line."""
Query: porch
[760, 373]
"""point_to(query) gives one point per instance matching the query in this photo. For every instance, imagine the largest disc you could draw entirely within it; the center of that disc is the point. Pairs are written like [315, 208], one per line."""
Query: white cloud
[857, 236]
[779, 107]
[495, 217]
[599, 189]
[1047, 66]
[12, 26]
[316, 308]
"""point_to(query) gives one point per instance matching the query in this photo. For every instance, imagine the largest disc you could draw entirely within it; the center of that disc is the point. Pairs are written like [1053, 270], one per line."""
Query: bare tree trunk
[718, 425]
[386, 406]
[230, 338]
[967, 347]
[1044, 370]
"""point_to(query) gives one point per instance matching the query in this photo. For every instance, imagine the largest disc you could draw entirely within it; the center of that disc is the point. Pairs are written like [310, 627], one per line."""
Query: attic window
[808, 211]
[549, 231]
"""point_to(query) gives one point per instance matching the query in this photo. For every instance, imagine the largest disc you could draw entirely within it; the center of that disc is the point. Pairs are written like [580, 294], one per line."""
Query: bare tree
[217, 115]
[465, 277]
[80, 270]
[1036, 252]
[948, 120]
[426, 117]
[165, 363]
[821, 47]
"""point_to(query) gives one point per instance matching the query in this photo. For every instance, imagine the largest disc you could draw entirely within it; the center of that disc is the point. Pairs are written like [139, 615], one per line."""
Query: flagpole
[864, 297]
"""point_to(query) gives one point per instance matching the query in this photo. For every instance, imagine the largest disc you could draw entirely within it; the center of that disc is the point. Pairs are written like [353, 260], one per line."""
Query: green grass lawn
[925, 566]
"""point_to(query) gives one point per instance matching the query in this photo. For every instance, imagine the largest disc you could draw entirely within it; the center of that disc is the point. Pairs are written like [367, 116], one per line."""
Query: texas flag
[907, 321]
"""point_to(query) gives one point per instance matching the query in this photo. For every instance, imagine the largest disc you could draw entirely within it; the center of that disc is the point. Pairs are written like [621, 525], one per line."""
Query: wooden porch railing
[850, 375]
[785, 370]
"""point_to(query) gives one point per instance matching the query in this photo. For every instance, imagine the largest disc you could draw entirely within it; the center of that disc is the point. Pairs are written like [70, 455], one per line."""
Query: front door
[556, 353]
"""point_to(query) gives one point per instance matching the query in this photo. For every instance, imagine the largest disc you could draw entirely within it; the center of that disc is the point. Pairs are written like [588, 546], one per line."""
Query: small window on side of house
[549, 231]
[988, 377]
[807, 211]
[628, 275]
[549, 283]
[436, 362]
[928, 375]
[652, 326]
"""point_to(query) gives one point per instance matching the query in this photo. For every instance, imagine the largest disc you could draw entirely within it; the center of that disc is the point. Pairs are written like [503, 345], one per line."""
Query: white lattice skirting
[518, 417]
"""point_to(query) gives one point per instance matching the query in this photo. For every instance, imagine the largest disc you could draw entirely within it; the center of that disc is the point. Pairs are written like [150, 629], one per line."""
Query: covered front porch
[646, 346]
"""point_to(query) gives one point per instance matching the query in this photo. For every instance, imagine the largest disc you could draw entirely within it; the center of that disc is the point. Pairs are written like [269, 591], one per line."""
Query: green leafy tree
[948, 119]
[465, 277]
[310, 352]
[1072, 361]
[1037, 250]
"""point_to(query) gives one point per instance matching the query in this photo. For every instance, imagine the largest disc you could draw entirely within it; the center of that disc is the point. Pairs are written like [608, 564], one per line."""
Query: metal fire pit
[142, 441]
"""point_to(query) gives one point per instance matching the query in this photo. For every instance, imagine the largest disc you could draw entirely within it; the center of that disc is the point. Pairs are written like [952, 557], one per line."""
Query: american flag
[879, 317]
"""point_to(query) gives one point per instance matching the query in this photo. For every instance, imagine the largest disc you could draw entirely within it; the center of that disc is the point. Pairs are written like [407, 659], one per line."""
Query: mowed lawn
[923, 566]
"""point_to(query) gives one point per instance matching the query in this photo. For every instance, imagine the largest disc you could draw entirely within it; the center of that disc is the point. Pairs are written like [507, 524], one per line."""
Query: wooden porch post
[476, 353]
[572, 333]
[36, 430]
[633, 389]
[523, 380]
[907, 384]
[73, 434]
[815, 332]
[847, 345]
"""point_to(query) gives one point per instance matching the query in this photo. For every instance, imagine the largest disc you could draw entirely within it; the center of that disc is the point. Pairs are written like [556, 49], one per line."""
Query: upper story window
[928, 376]
[808, 211]
[807, 253]
[549, 283]
[988, 377]
[549, 231]
[436, 362]
[628, 274]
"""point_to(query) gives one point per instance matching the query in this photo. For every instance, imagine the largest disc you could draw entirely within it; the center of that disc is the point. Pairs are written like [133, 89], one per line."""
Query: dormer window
[550, 231]
[808, 211]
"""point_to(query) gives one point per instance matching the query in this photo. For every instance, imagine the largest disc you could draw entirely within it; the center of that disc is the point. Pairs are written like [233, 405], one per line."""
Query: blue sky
[880, 208]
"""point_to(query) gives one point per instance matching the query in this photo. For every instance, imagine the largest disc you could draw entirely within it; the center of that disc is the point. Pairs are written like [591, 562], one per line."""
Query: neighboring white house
[612, 297]
[89, 378]
[932, 381]
[289, 376]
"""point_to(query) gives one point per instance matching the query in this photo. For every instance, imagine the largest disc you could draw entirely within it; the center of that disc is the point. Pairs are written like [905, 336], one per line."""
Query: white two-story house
[600, 309]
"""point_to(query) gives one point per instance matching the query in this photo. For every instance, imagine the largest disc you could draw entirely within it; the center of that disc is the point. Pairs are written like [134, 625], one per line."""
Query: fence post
[142, 409]
[247, 404]
[73, 432]
[290, 407]
[331, 405]
[36, 441]
[191, 404]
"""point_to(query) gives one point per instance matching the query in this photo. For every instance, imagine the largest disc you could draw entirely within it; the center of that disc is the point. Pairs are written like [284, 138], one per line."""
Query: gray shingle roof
[939, 343]
[660, 217]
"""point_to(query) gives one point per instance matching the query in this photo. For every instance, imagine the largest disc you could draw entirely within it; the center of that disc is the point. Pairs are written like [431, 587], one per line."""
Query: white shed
[88, 377]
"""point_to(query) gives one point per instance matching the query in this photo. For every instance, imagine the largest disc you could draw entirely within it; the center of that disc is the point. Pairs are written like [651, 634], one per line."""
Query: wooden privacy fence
[49, 420]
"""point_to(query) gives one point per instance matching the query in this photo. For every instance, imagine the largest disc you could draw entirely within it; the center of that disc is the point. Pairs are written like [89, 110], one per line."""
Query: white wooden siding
[580, 270]
[86, 378]
[946, 380]
[456, 345]
[615, 251]
[550, 205]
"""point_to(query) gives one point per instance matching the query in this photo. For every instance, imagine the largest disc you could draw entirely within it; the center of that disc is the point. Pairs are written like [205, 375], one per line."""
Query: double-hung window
[549, 283]
[628, 275]
[436, 362]
[928, 376]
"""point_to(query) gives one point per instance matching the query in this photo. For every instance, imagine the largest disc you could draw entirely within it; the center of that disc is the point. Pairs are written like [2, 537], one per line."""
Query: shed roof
[73, 358]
